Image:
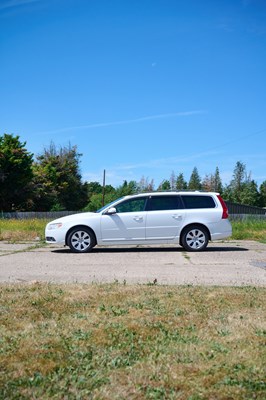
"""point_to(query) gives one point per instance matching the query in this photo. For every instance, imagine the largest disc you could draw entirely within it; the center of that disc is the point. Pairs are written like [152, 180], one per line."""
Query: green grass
[16, 230]
[20, 230]
[131, 342]
[250, 229]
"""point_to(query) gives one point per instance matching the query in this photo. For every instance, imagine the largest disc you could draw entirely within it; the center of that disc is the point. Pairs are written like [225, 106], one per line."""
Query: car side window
[157, 203]
[132, 205]
[198, 201]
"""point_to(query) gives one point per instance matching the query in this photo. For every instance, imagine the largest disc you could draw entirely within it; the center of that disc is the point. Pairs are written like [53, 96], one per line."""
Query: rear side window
[157, 203]
[198, 201]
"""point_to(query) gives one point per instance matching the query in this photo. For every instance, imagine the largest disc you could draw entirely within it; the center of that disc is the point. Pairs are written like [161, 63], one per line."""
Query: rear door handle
[175, 216]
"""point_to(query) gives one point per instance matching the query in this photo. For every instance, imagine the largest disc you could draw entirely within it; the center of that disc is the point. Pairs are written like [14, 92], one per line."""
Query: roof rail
[175, 191]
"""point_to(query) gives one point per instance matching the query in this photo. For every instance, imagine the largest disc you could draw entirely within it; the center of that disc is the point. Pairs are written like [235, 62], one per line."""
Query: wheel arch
[80, 226]
[194, 224]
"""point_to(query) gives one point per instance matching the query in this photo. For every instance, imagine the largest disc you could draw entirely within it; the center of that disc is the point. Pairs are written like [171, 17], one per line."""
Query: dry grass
[250, 229]
[132, 342]
[19, 230]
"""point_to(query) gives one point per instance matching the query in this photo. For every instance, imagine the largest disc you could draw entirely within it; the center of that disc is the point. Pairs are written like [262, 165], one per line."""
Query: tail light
[225, 209]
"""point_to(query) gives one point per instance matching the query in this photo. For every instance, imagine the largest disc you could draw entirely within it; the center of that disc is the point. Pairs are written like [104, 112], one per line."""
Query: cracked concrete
[232, 263]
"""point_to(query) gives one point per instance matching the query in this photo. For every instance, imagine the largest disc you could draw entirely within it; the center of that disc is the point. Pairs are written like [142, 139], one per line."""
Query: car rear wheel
[195, 238]
[81, 240]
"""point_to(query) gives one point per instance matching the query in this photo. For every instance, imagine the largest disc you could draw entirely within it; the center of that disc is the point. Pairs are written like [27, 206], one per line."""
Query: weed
[15, 230]
[142, 342]
[250, 229]
[20, 230]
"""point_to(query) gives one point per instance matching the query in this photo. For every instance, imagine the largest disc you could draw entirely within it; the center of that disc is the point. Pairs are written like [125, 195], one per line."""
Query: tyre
[81, 240]
[195, 238]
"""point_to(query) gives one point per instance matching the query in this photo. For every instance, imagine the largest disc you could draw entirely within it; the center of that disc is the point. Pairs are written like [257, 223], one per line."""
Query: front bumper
[55, 236]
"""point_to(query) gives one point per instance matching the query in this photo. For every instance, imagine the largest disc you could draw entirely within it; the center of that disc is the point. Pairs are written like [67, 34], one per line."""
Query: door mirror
[111, 211]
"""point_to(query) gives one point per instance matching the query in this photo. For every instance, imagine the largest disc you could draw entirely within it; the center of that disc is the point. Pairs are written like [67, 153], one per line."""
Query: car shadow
[177, 249]
[224, 249]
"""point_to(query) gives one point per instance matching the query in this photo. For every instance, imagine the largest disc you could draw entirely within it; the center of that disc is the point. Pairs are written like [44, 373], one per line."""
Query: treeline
[52, 181]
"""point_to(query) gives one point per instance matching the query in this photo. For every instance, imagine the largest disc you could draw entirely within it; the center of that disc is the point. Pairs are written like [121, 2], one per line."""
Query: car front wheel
[81, 240]
[195, 238]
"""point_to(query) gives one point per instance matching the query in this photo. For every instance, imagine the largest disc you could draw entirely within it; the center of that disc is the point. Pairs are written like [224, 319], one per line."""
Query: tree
[195, 181]
[57, 180]
[250, 194]
[172, 181]
[263, 194]
[15, 173]
[126, 188]
[94, 187]
[242, 189]
[228, 193]
[96, 201]
[212, 182]
[164, 185]
[237, 183]
[208, 183]
[238, 189]
[218, 187]
[181, 184]
[145, 185]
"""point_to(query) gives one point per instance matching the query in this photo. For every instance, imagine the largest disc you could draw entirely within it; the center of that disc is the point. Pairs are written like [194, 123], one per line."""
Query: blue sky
[142, 87]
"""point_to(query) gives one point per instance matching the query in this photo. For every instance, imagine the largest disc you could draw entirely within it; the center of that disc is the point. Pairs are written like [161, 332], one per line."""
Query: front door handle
[138, 218]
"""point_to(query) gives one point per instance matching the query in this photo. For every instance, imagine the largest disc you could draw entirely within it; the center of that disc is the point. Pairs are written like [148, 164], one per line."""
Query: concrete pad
[233, 263]
[9, 248]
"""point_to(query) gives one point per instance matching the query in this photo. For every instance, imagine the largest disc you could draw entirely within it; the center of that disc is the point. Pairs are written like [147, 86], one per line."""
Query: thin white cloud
[124, 122]
[205, 161]
[160, 169]
[164, 162]
[116, 174]
[15, 3]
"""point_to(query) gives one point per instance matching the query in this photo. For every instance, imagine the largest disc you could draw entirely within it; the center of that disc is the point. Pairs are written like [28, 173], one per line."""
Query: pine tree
[237, 183]
[181, 184]
[263, 194]
[250, 194]
[195, 181]
[218, 187]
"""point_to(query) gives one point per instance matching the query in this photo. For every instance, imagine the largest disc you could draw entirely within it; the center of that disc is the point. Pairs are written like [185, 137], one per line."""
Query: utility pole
[103, 192]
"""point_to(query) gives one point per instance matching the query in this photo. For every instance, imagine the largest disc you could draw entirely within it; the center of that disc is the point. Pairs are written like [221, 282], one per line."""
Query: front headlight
[54, 226]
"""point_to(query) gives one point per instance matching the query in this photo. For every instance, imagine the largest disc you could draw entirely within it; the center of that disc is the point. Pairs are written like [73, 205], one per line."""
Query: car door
[165, 215]
[127, 224]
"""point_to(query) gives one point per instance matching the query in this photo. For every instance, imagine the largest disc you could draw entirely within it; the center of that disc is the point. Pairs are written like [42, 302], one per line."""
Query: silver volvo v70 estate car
[189, 219]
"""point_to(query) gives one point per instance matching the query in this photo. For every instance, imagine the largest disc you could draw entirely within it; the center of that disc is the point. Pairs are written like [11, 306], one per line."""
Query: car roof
[172, 192]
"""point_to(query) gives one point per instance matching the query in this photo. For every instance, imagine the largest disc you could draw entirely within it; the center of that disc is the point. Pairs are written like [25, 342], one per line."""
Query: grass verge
[20, 230]
[250, 229]
[16, 230]
[132, 342]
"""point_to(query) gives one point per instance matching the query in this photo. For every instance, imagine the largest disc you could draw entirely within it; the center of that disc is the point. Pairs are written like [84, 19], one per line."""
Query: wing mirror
[111, 211]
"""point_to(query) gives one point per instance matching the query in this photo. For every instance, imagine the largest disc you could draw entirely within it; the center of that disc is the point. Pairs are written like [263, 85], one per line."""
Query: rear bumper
[222, 230]
[223, 235]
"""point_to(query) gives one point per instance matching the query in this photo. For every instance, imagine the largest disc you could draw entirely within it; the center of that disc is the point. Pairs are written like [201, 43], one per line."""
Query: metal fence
[36, 214]
[246, 217]
[242, 209]
[236, 211]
